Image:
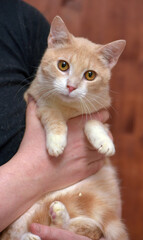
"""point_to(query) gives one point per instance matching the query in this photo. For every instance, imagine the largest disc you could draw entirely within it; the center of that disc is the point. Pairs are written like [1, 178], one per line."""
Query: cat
[73, 79]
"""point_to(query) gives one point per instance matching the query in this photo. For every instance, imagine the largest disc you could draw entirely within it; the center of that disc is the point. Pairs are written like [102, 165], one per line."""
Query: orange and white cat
[73, 79]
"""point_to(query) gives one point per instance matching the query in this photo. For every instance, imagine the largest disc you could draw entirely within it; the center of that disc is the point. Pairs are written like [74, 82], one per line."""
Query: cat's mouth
[67, 97]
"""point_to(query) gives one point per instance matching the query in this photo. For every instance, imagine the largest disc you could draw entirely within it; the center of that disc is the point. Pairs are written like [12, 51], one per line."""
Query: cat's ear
[111, 52]
[59, 33]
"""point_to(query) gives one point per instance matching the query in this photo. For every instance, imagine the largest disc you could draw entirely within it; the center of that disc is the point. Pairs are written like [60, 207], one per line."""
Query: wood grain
[104, 21]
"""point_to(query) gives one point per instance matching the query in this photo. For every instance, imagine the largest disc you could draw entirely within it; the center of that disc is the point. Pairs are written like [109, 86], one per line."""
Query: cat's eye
[90, 75]
[63, 65]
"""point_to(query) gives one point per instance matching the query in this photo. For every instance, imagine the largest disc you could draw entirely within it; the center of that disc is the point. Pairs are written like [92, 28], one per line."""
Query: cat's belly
[104, 182]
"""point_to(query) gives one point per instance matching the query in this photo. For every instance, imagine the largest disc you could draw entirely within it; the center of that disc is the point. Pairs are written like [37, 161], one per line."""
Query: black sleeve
[23, 40]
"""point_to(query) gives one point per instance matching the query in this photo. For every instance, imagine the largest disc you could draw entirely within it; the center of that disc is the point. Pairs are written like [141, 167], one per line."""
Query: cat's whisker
[86, 110]
[83, 109]
[99, 103]
[20, 89]
[47, 94]
[87, 107]
[59, 88]
[25, 84]
[82, 106]
[96, 101]
[108, 89]
[91, 105]
[99, 97]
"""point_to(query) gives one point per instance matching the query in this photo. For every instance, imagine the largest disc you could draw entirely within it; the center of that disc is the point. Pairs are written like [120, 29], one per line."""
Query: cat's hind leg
[81, 225]
[112, 230]
[115, 230]
[85, 226]
[30, 236]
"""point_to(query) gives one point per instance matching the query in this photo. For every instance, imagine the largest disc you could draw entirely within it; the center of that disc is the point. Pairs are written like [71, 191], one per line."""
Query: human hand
[52, 233]
[79, 160]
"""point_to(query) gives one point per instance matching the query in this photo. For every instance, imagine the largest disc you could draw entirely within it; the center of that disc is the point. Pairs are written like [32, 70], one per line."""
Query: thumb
[32, 121]
[34, 129]
[30, 112]
[51, 233]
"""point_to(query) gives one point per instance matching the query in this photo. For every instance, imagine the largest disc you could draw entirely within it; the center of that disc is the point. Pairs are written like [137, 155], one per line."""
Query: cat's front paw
[30, 236]
[56, 143]
[99, 138]
[104, 145]
[58, 214]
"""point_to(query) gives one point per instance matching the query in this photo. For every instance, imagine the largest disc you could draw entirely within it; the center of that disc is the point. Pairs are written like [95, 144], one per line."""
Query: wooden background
[103, 21]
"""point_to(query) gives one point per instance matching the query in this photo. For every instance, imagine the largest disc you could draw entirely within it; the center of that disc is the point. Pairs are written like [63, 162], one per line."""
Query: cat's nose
[71, 88]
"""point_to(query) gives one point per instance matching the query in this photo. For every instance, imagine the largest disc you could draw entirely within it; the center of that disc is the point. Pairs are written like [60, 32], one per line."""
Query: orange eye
[63, 65]
[90, 75]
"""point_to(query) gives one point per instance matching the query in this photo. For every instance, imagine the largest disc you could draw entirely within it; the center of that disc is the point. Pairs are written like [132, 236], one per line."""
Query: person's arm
[31, 172]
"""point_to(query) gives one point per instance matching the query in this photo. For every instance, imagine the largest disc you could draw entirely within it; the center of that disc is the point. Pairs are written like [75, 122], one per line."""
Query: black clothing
[23, 40]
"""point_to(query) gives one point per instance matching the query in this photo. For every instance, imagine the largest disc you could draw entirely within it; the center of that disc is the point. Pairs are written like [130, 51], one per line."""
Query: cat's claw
[30, 236]
[56, 144]
[58, 214]
[104, 145]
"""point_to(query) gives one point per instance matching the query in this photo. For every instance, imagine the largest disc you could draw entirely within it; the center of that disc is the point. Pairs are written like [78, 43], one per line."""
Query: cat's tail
[115, 230]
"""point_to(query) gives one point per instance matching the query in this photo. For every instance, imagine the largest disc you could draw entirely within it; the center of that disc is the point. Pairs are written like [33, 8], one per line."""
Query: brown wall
[104, 21]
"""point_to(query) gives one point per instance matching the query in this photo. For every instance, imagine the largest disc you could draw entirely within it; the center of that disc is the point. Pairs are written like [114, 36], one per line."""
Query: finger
[110, 135]
[102, 116]
[51, 233]
[31, 110]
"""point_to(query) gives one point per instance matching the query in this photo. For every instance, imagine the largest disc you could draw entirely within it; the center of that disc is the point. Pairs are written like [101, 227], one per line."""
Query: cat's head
[76, 69]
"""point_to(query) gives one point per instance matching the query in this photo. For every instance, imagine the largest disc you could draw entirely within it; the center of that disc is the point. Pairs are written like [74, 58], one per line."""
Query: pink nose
[71, 88]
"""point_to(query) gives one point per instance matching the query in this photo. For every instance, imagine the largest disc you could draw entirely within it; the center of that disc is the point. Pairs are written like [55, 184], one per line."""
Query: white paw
[99, 138]
[56, 144]
[30, 236]
[104, 145]
[59, 215]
